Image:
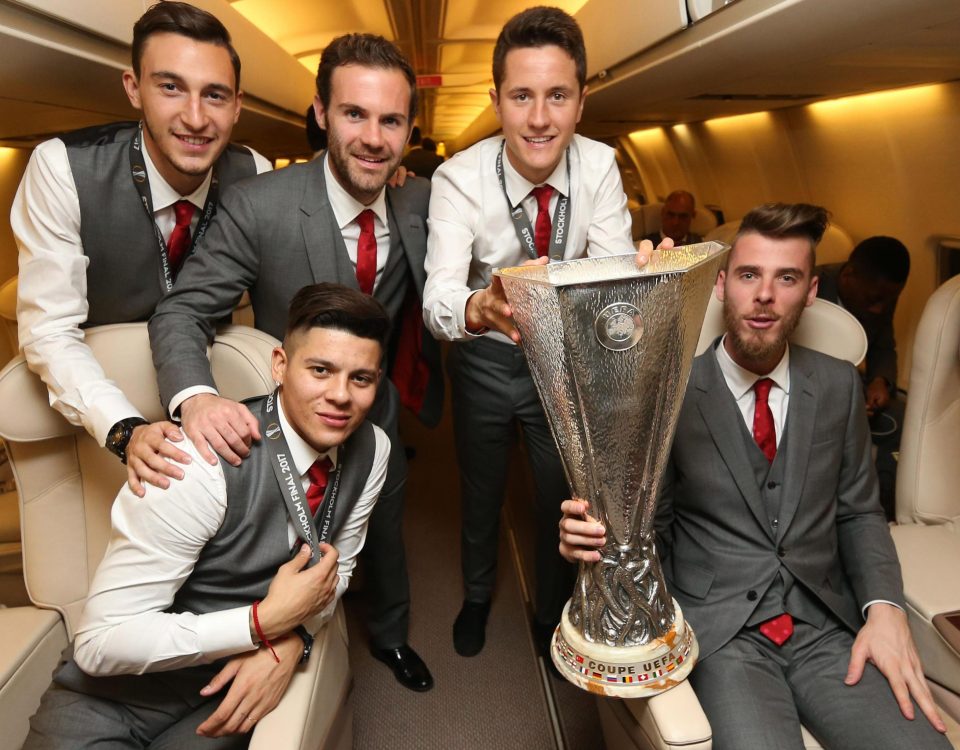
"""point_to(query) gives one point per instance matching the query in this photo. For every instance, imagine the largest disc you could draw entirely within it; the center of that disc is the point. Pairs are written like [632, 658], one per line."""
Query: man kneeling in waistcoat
[214, 586]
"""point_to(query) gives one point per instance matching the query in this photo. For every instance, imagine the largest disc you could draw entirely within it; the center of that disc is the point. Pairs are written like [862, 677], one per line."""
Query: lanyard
[290, 485]
[521, 223]
[139, 174]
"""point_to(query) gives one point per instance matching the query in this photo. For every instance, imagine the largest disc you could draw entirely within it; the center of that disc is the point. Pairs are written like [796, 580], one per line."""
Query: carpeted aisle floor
[495, 699]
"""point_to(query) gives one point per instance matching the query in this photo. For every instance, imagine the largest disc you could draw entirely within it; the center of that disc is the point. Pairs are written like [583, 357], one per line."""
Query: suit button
[771, 485]
[781, 552]
[751, 595]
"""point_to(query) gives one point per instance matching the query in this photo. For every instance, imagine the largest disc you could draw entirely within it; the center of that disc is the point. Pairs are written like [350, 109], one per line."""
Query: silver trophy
[610, 348]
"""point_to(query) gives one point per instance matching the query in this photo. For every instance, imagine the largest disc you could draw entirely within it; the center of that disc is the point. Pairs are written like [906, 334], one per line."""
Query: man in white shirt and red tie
[332, 219]
[210, 592]
[537, 192]
[769, 526]
[104, 218]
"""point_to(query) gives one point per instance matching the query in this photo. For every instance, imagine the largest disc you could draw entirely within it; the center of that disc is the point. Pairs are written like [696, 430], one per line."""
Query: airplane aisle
[495, 699]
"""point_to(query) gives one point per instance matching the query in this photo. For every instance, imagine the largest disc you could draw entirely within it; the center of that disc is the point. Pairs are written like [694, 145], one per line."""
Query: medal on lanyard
[293, 496]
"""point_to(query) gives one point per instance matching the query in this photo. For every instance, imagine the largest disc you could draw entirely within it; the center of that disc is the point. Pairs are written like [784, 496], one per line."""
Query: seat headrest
[240, 361]
[824, 327]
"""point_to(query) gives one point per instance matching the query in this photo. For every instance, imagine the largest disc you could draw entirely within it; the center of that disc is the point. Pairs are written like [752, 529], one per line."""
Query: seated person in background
[678, 211]
[422, 158]
[104, 218]
[869, 285]
[769, 529]
[206, 584]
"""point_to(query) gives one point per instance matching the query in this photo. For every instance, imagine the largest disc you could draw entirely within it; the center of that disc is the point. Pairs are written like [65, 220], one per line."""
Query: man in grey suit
[331, 219]
[769, 528]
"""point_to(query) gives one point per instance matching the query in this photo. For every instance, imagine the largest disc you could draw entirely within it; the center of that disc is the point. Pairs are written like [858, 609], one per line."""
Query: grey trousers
[493, 393]
[387, 586]
[160, 711]
[757, 694]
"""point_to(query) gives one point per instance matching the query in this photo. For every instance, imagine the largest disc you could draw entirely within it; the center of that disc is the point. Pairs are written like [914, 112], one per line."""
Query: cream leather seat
[928, 501]
[675, 719]
[11, 569]
[67, 484]
[835, 247]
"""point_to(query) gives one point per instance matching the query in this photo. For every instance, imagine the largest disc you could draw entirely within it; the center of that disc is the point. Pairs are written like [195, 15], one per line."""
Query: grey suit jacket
[273, 235]
[715, 538]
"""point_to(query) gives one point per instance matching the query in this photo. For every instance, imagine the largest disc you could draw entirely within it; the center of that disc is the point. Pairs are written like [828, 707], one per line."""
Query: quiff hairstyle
[369, 51]
[186, 20]
[539, 27]
[338, 307]
[780, 221]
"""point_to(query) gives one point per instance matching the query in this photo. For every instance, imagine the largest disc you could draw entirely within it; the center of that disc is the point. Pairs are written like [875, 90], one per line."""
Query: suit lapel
[800, 422]
[326, 251]
[723, 420]
[411, 232]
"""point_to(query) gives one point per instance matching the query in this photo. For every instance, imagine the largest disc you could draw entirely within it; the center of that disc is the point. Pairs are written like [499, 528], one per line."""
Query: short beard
[753, 347]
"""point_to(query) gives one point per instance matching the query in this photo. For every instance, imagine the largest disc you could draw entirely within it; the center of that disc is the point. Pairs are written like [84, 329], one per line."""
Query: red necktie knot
[541, 236]
[179, 241]
[764, 431]
[366, 252]
[318, 473]
[778, 628]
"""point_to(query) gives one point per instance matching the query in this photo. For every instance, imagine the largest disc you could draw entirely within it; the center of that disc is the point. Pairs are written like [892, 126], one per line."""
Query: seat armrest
[314, 713]
[948, 626]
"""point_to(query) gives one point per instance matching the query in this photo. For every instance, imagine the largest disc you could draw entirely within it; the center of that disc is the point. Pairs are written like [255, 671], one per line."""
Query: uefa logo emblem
[139, 173]
[273, 431]
[618, 326]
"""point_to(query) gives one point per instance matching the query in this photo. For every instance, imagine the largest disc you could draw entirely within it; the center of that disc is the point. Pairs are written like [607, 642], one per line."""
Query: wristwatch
[119, 436]
[307, 643]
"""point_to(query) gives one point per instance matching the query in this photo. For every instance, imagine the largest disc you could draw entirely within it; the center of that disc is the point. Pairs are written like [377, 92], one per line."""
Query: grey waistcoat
[238, 563]
[125, 276]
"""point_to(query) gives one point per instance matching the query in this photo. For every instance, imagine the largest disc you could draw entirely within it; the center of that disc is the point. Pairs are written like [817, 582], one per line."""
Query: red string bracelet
[260, 635]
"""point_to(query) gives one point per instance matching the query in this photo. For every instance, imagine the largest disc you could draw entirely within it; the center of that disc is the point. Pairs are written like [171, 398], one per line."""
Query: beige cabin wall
[885, 163]
[13, 161]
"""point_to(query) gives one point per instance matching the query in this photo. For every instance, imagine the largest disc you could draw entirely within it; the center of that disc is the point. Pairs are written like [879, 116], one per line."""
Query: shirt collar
[162, 195]
[345, 206]
[302, 453]
[519, 187]
[740, 380]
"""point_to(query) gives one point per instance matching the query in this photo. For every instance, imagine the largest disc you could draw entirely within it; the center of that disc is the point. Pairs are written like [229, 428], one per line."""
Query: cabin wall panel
[13, 162]
[883, 164]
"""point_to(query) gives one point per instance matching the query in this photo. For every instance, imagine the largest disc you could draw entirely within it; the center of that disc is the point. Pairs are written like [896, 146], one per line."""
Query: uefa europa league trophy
[610, 348]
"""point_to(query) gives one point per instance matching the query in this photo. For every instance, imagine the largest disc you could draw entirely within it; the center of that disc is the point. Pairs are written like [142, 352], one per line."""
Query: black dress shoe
[470, 628]
[407, 667]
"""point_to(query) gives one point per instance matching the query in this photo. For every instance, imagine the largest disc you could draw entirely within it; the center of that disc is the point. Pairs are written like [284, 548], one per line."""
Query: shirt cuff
[107, 414]
[224, 633]
[866, 606]
[177, 401]
[463, 322]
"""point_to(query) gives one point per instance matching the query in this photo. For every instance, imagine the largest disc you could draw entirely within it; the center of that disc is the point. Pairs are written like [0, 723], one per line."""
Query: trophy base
[625, 672]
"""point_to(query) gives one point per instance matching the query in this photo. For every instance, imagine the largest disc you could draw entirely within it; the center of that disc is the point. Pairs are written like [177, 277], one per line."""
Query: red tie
[317, 473]
[179, 241]
[366, 252]
[541, 236]
[778, 628]
[763, 430]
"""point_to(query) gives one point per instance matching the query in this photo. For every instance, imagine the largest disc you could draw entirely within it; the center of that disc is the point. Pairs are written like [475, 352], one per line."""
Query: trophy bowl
[610, 347]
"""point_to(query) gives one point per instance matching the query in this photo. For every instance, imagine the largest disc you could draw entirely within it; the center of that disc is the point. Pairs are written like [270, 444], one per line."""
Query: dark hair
[415, 136]
[778, 221]
[539, 27]
[339, 307]
[316, 136]
[181, 18]
[881, 258]
[368, 50]
[429, 145]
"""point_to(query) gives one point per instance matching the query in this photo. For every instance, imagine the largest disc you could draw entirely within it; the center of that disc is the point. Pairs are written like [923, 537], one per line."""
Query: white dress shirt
[471, 232]
[52, 285]
[741, 382]
[346, 208]
[154, 545]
